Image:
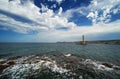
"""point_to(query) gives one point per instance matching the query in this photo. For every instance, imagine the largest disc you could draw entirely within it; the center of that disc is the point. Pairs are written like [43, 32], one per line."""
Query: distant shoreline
[103, 42]
[116, 42]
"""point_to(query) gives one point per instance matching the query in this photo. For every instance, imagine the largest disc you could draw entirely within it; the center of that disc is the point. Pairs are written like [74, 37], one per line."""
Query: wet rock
[107, 65]
[2, 61]
[11, 63]
[55, 65]
[116, 67]
[46, 59]
[5, 64]
[2, 67]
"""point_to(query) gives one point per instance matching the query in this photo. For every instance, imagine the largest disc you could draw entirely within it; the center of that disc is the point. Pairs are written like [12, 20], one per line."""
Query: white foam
[1, 60]
[102, 67]
[21, 70]
[97, 65]
[67, 55]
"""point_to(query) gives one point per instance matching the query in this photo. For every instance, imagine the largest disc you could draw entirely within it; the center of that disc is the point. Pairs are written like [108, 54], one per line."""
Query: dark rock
[46, 59]
[2, 62]
[107, 65]
[2, 67]
[116, 67]
[78, 67]
[11, 63]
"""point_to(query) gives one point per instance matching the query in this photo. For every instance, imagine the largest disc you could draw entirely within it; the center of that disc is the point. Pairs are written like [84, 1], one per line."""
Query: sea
[96, 52]
[101, 52]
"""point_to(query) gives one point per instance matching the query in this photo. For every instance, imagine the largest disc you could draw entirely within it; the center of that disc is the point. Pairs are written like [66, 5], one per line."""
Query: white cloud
[54, 6]
[60, 11]
[58, 1]
[43, 8]
[104, 8]
[95, 3]
[47, 20]
[97, 11]
[83, 11]
[77, 32]
[93, 16]
[18, 26]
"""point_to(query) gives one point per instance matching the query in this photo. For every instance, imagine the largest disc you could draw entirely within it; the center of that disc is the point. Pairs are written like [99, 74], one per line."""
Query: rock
[55, 65]
[107, 65]
[2, 61]
[46, 59]
[11, 63]
[2, 67]
[4, 64]
[116, 67]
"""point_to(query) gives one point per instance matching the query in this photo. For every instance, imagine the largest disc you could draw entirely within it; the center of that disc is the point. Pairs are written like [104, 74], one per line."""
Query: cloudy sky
[59, 20]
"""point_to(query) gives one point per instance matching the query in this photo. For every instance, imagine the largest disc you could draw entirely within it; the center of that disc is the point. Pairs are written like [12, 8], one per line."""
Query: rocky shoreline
[56, 65]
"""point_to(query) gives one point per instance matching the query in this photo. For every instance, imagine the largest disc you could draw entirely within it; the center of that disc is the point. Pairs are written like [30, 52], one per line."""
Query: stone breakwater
[55, 65]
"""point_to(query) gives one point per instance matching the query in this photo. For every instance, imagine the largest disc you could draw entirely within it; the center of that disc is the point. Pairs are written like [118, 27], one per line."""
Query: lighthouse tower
[83, 40]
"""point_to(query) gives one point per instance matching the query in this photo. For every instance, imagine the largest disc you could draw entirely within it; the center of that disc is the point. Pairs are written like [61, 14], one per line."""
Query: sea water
[59, 61]
[101, 52]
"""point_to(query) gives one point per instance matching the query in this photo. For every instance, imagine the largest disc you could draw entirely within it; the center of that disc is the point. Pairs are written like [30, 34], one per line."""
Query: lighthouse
[83, 40]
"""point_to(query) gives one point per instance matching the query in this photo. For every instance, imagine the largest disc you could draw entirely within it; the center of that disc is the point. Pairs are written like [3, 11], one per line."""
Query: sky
[59, 20]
